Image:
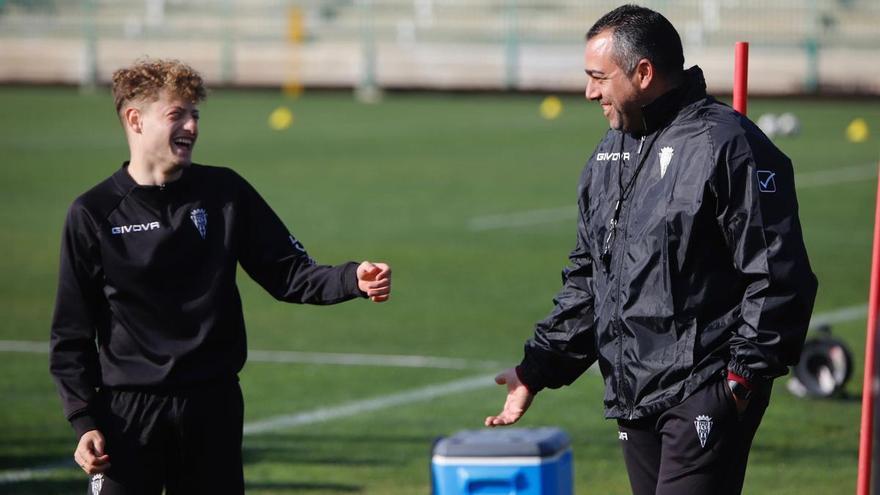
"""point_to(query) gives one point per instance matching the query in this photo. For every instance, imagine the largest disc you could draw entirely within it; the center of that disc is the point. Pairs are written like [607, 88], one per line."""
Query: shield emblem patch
[665, 158]
[200, 219]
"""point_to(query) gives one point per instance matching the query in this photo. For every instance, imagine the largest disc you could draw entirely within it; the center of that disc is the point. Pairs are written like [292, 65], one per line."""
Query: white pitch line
[841, 175]
[319, 415]
[522, 218]
[355, 408]
[392, 360]
[841, 315]
[351, 408]
[528, 218]
[295, 357]
[19, 475]
[27, 346]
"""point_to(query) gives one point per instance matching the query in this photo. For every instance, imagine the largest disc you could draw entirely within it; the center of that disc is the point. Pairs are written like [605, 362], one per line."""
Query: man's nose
[191, 125]
[592, 92]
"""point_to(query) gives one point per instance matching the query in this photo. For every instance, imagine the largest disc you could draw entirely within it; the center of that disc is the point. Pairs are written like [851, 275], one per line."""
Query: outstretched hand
[89, 454]
[374, 279]
[518, 400]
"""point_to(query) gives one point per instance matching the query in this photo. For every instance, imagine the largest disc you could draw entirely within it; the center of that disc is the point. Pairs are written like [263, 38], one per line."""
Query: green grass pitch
[401, 181]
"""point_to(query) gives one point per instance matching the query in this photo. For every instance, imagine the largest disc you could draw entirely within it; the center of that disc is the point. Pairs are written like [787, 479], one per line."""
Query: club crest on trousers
[703, 424]
[97, 482]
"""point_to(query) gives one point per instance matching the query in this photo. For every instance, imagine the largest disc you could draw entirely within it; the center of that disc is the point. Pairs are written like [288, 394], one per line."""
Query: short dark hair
[642, 33]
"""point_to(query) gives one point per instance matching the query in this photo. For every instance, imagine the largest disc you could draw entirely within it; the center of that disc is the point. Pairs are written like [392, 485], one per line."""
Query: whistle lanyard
[623, 193]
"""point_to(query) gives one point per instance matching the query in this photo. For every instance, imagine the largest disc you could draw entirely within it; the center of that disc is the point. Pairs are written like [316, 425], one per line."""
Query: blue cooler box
[514, 461]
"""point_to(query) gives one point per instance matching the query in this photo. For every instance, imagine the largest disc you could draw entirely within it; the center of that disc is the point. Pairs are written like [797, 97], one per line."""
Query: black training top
[148, 274]
[689, 261]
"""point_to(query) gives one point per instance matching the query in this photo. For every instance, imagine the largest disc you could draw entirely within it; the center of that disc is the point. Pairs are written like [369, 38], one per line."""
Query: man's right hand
[89, 454]
[374, 280]
[518, 400]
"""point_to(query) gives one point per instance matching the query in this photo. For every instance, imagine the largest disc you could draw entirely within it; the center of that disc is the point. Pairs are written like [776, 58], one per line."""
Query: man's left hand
[518, 400]
[374, 279]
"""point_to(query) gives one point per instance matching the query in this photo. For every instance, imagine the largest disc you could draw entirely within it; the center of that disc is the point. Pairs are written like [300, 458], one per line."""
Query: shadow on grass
[78, 487]
[845, 397]
[306, 449]
[304, 487]
[301, 452]
[809, 455]
[336, 438]
[28, 461]
[45, 487]
[336, 449]
[19, 453]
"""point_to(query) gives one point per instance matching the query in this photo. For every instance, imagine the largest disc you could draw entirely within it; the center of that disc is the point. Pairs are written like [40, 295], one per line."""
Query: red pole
[741, 76]
[866, 434]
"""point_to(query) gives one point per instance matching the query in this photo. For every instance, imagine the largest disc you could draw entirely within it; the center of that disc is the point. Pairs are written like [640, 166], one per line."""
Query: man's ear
[644, 73]
[131, 117]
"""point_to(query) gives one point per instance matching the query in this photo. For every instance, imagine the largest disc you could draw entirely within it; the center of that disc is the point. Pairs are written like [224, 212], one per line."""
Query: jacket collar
[125, 181]
[666, 107]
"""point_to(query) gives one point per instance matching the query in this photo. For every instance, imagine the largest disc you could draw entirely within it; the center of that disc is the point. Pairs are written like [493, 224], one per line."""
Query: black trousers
[700, 446]
[182, 442]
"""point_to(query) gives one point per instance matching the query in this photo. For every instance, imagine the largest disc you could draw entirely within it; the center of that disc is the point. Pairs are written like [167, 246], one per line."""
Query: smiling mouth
[186, 143]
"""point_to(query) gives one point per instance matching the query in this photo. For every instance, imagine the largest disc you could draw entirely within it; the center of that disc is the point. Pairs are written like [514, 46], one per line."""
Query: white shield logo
[200, 218]
[97, 483]
[665, 158]
[703, 425]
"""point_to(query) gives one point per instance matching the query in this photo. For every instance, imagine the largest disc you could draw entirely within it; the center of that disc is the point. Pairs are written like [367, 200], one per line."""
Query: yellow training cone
[857, 131]
[280, 118]
[551, 107]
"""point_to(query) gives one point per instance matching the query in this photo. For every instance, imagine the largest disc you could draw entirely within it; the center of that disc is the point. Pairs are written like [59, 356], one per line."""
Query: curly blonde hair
[147, 77]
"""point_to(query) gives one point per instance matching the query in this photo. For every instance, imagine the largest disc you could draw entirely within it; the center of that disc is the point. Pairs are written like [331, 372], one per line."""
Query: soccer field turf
[434, 184]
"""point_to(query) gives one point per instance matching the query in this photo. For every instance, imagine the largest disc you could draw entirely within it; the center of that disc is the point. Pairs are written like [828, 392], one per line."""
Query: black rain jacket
[147, 298]
[706, 270]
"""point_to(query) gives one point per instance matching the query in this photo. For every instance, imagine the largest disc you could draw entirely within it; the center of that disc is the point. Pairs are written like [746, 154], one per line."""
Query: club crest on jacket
[200, 218]
[665, 158]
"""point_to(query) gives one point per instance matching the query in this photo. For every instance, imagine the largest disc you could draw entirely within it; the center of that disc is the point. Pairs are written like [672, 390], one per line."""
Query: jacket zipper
[616, 320]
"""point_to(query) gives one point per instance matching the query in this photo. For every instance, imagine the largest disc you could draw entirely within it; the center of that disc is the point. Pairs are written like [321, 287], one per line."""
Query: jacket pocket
[729, 400]
[663, 347]
[685, 332]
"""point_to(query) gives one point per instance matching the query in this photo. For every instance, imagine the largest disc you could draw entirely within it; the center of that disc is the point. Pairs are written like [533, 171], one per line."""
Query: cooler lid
[504, 442]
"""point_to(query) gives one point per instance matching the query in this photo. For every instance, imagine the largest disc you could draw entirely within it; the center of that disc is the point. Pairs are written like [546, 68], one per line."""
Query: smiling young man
[148, 335]
[689, 282]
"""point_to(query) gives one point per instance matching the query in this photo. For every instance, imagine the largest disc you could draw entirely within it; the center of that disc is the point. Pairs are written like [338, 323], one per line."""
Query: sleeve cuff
[82, 423]
[529, 378]
[738, 379]
[743, 374]
[350, 280]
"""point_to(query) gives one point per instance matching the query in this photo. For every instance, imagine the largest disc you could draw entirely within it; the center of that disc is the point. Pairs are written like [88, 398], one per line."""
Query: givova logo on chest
[613, 157]
[137, 227]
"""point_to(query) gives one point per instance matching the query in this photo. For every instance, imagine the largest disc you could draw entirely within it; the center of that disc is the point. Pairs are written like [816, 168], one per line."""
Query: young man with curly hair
[148, 335]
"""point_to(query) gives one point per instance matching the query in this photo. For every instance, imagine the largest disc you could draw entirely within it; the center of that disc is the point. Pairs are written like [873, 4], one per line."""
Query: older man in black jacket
[690, 283]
